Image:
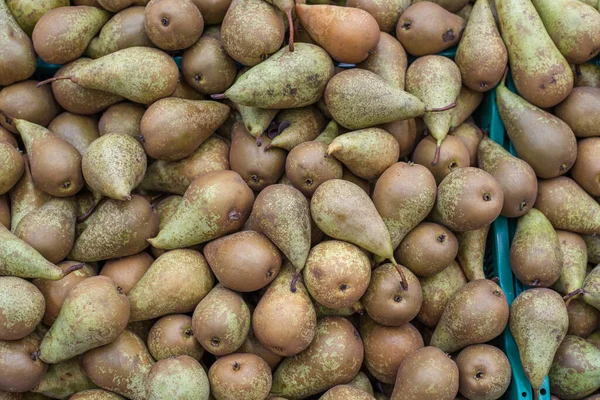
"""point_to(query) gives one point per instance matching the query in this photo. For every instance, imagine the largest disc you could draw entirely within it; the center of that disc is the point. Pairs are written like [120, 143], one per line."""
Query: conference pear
[386, 13]
[240, 376]
[18, 59]
[388, 58]
[471, 252]
[22, 365]
[172, 336]
[575, 259]
[588, 291]
[64, 379]
[466, 103]
[11, 166]
[173, 25]
[118, 5]
[470, 136]
[575, 109]
[296, 126]
[26, 100]
[21, 306]
[78, 130]
[586, 170]
[575, 371]
[182, 377]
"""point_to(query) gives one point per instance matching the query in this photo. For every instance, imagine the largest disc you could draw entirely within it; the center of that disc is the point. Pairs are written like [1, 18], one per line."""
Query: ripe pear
[95, 312]
[484, 372]
[427, 374]
[586, 170]
[583, 318]
[538, 322]
[304, 124]
[436, 81]
[333, 357]
[78, 130]
[294, 310]
[471, 252]
[256, 120]
[221, 321]
[144, 74]
[588, 291]
[361, 381]
[95, 394]
[346, 392]
[28, 12]
[118, 5]
[116, 229]
[173, 25]
[174, 283]
[470, 135]
[215, 204]
[26, 100]
[404, 195]
[21, 308]
[172, 336]
[356, 150]
[542, 140]
[181, 377]
[282, 214]
[121, 118]
[270, 85]
[575, 370]
[240, 376]
[481, 41]
[567, 206]
[50, 229]
[593, 248]
[125, 29]
[466, 103]
[388, 58]
[11, 166]
[452, 154]
[21, 365]
[574, 110]
[18, 57]
[62, 34]
[516, 177]
[405, 133]
[127, 271]
[121, 366]
[468, 199]
[113, 165]
[4, 211]
[64, 379]
[575, 258]
[347, 33]
[385, 13]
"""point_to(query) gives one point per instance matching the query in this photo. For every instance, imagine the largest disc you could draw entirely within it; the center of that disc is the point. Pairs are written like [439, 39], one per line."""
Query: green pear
[575, 371]
[140, 74]
[270, 84]
[95, 394]
[176, 176]
[116, 229]
[361, 381]
[215, 204]
[481, 41]
[593, 248]
[573, 26]
[50, 229]
[539, 323]
[21, 306]
[181, 378]
[540, 72]
[94, 313]
[436, 81]
[466, 103]
[18, 59]
[64, 379]
[477, 313]
[282, 214]
[174, 283]
[113, 165]
[25, 197]
[471, 252]
[11, 166]
[367, 153]
[388, 58]
[304, 124]
[348, 392]
[589, 289]
[256, 120]
[575, 259]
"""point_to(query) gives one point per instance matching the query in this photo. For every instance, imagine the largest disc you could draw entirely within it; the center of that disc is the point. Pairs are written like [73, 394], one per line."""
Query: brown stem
[578, 70]
[358, 308]
[219, 96]
[267, 147]
[294, 281]
[536, 394]
[570, 296]
[158, 199]
[89, 212]
[445, 108]
[8, 119]
[403, 280]
[495, 279]
[436, 158]
[35, 355]
[56, 78]
[73, 268]
[291, 24]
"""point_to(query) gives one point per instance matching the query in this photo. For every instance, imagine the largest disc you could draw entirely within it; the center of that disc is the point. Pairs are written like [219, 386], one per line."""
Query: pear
[21, 306]
[574, 109]
[95, 394]
[346, 392]
[387, 59]
[127, 271]
[477, 313]
[62, 34]
[538, 322]
[436, 81]
[470, 135]
[575, 371]
[18, 59]
[437, 292]
[481, 41]
[17, 258]
[575, 258]
[427, 374]
[282, 214]
[377, 102]
[113, 165]
[540, 72]
[182, 377]
[453, 154]
[464, 191]
[22, 366]
[215, 204]
[356, 150]
[588, 290]
[78, 130]
[240, 376]
[573, 26]
[50, 229]
[333, 357]
[78, 99]
[116, 229]
[118, 5]
[385, 13]
[253, 346]
[55, 164]
[95, 312]
[256, 120]
[263, 30]
[221, 321]
[121, 118]
[484, 370]
[516, 177]
[586, 171]
[535, 234]
[294, 310]
[173, 128]
[26, 100]
[567, 206]
[172, 336]
[303, 124]
[176, 176]
[270, 85]
[174, 283]
[144, 74]
[123, 30]
[586, 75]
[471, 252]
[466, 103]
[361, 381]
[583, 318]
[120, 366]
[4, 211]
[593, 248]
[11, 167]
[347, 33]
[64, 379]
[342, 210]
[173, 25]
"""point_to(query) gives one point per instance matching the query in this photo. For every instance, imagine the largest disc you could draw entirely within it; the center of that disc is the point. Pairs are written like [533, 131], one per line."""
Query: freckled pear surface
[17, 57]
[21, 308]
[181, 378]
[575, 370]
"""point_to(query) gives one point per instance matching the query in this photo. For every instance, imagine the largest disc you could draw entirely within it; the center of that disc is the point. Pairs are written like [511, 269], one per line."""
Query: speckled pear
[118, 5]
[64, 379]
[575, 371]
[25, 197]
[305, 124]
[387, 59]
[471, 252]
[17, 58]
[181, 377]
[589, 289]
[94, 313]
[21, 306]
[575, 259]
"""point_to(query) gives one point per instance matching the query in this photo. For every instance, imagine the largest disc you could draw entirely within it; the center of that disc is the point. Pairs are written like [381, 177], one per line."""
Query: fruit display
[278, 199]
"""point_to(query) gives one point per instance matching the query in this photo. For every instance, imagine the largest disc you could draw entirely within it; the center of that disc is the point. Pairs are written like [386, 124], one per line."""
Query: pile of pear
[294, 211]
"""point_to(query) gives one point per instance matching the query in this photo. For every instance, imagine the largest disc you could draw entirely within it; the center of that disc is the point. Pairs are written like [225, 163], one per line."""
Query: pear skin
[593, 248]
[18, 56]
[575, 109]
[21, 308]
[388, 60]
[122, 117]
[386, 13]
[78, 130]
[118, 5]
[575, 371]
[26, 100]
[586, 170]
[304, 124]
[23, 367]
[182, 377]
[11, 166]
[64, 379]
[470, 135]
[5, 211]
[471, 252]
[466, 103]
[451, 155]
[405, 133]
[348, 392]
[575, 259]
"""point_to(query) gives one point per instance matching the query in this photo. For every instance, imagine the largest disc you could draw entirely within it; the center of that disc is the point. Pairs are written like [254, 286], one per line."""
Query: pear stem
[56, 78]
[358, 308]
[403, 280]
[436, 158]
[570, 296]
[578, 70]
[73, 268]
[495, 279]
[35, 355]
[89, 212]
[446, 108]
[259, 140]
[536, 394]
[294, 281]
[291, 24]
[219, 96]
